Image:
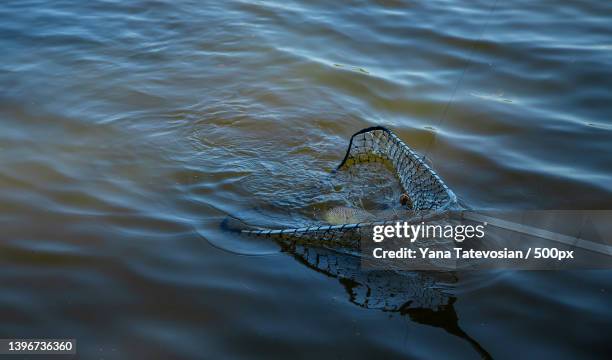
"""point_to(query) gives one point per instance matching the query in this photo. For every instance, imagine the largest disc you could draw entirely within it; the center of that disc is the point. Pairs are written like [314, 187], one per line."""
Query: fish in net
[427, 196]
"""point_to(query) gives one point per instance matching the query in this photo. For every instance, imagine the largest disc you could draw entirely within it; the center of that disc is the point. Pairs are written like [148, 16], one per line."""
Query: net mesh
[422, 185]
[427, 193]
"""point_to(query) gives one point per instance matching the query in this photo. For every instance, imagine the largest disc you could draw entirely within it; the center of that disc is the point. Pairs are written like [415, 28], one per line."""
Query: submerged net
[427, 193]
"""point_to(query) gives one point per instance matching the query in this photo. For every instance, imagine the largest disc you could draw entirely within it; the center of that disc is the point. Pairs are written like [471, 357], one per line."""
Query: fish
[346, 215]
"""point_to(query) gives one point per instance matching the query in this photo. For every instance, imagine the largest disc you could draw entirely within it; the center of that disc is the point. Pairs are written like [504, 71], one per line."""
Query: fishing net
[428, 196]
[378, 167]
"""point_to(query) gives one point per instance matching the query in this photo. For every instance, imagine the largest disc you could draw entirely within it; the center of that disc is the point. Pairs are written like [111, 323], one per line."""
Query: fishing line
[460, 80]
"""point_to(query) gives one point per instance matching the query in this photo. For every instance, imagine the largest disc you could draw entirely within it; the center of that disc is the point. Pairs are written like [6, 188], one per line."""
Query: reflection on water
[419, 295]
[130, 129]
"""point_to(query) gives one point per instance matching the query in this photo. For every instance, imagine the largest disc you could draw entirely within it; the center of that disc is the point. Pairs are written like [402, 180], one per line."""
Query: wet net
[335, 250]
[427, 194]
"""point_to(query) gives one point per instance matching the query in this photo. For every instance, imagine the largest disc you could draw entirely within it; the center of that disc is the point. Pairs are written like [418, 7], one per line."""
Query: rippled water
[130, 129]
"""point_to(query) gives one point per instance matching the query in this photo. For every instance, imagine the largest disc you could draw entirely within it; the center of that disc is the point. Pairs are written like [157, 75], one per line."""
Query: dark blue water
[130, 129]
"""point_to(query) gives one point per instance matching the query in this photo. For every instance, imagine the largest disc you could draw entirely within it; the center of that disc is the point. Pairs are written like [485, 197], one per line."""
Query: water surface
[130, 129]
